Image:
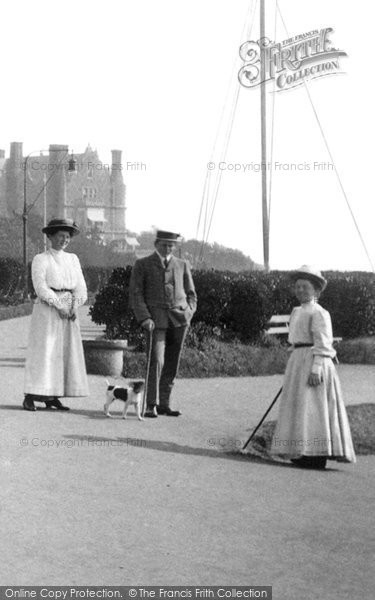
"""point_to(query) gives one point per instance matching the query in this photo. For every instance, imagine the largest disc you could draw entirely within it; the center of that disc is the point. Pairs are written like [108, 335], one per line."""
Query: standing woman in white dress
[312, 425]
[55, 364]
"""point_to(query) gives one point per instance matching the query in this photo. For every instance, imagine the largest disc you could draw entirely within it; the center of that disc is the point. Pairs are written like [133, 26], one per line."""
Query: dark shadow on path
[41, 408]
[174, 448]
[16, 359]
[12, 362]
[158, 445]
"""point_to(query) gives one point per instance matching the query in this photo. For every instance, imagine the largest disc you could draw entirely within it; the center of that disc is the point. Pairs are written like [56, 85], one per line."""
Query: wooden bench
[279, 325]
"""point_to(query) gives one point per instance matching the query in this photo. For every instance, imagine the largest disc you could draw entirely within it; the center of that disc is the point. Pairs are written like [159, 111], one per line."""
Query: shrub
[238, 306]
[111, 308]
[249, 308]
[350, 299]
[11, 279]
[201, 336]
[279, 291]
[214, 295]
[11, 274]
[96, 277]
[236, 303]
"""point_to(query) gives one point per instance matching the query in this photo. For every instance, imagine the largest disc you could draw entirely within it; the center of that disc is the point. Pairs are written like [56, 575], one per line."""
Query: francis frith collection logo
[290, 62]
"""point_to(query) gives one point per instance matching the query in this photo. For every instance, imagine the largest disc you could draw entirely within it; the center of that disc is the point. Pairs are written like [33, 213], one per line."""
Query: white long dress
[312, 420]
[55, 364]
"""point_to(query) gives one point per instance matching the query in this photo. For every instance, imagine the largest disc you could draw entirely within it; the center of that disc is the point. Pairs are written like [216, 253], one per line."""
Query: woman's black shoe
[55, 403]
[28, 403]
[310, 462]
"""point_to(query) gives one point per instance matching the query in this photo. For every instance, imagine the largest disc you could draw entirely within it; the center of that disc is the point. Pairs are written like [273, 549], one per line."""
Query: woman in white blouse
[312, 425]
[55, 364]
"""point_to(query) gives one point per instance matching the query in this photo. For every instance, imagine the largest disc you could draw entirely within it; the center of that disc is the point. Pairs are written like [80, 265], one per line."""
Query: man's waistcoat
[166, 295]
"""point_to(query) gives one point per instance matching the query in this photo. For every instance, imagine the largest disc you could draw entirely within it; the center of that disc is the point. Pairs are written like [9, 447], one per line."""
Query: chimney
[117, 214]
[2, 153]
[14, 178]
[16, 153]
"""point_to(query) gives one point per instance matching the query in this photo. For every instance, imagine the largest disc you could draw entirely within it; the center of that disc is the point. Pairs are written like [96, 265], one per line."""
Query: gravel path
[93, 501]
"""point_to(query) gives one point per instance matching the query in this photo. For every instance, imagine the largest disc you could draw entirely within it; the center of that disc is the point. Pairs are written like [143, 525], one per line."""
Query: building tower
[117, 199]
[3, 202]
[56, 181]
[14, 179]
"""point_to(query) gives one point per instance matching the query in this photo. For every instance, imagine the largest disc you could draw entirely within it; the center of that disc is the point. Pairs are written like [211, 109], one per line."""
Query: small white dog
[131, 395]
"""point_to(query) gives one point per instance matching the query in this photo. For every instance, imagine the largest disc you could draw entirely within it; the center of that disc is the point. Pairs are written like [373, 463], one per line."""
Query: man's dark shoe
[28, 404]
[151, 413]
[168, 412]
[55, 403]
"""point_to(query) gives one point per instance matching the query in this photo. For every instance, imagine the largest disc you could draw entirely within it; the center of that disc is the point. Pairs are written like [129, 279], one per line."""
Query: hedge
[96, 277]
[239, 305]
[11, 275]
[350, 298]
[111, 307]
[11, 279]
[236, 304]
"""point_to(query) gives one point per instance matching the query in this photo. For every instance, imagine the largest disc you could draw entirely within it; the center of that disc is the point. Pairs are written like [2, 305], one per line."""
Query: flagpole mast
[263, 121]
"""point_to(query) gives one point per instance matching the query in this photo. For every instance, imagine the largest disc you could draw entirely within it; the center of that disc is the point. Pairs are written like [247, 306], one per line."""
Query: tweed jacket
[165, 295]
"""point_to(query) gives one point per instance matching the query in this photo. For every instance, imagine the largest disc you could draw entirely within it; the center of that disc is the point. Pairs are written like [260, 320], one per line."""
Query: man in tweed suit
[163, 298]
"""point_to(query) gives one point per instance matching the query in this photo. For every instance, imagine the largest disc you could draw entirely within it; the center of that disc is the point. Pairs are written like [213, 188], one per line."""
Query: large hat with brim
[311, 274]
[167, 236]
[61, 224]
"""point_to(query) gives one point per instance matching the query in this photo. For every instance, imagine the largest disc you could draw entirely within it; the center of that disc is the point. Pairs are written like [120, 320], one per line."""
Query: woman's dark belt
[303, 345]
[62, 290]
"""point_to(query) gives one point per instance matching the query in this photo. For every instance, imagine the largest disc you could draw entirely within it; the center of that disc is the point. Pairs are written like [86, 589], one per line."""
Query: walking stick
[147, 371]
[262, 419]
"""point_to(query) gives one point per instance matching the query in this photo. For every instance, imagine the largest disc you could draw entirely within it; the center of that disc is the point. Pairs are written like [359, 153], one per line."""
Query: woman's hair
[317, 285]
[68, 229]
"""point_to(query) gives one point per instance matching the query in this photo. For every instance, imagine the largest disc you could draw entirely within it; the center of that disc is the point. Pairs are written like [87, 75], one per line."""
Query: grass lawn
[222, 359]
[357, 351]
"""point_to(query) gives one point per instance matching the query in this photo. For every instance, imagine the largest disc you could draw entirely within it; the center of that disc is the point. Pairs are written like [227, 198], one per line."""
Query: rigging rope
[331, 157]
[205, 214]
[206, 206]
[223, 157]
[206, 180]
[209, 208]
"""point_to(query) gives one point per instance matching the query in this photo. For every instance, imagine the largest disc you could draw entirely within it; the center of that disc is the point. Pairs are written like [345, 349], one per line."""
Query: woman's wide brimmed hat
[61, 224]
[167, 236]
[311, 274]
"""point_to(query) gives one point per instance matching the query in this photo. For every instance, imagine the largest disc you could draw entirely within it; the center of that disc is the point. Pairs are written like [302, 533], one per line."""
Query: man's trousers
[165, 358]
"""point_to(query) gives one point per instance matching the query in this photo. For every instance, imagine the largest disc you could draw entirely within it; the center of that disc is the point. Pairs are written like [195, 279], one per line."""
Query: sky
[157, 80]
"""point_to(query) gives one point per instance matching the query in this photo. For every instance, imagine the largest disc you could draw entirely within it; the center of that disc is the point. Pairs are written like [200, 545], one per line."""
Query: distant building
[3, 204]
[127, 244]
[93, 195]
